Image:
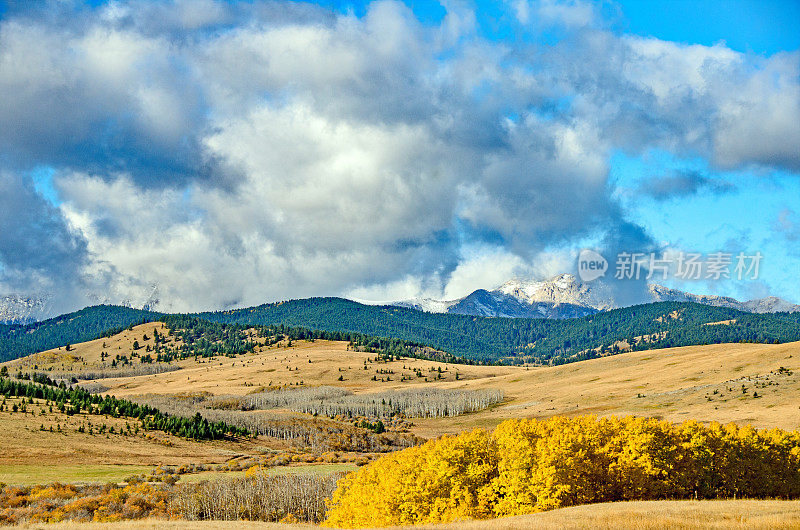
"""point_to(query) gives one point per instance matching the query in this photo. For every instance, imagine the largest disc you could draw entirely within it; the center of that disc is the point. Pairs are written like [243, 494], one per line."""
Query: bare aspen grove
[333, 402]
[125, 371]
[316, 434]
[258, 497]
[413, 403]
[327, 401]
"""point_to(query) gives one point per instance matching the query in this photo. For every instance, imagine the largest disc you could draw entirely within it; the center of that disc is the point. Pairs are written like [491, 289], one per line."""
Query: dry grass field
[745, 383]
[645, 515]
[304, 363]
[757, 384]
[86, 356]
[742, 383]
[31, 453]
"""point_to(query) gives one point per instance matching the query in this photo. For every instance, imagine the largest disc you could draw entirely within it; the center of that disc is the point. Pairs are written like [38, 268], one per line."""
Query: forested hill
[80, 326]
[542, 340]
[656, 325]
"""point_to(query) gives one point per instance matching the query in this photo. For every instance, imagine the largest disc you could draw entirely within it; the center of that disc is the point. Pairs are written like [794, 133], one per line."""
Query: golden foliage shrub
[440, 481]
[526, 466]
[58, 502]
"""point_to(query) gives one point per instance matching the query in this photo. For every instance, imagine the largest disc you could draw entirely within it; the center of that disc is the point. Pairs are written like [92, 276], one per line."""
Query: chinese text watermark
[681, 265]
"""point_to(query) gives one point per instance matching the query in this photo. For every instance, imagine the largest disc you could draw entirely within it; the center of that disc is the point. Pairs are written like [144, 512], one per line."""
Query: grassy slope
[80, 326]
[25, 445]
[674, 384]
[241, 375]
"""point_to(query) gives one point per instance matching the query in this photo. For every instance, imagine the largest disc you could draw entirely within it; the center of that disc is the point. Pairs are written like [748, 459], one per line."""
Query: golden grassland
[754, 384]
[30, 453]
[26, 446]
[725, 382]
[646, 515]
[641, 515]
[306, 363]
[703, 383]
[75, 473]
[87, 355]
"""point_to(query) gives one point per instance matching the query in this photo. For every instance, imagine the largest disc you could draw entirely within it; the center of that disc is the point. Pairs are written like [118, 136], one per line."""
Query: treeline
[204, 338]
[396, 331]
[84, 325]
[517, 340]
[75, 400]
[527, 466]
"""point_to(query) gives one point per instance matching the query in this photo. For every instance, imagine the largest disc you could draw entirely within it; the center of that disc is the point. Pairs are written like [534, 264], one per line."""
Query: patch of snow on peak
[560, 289]
[429, 305]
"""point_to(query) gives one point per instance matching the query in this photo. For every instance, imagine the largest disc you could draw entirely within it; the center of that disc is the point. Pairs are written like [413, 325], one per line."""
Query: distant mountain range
[22, 310]
[563, 296]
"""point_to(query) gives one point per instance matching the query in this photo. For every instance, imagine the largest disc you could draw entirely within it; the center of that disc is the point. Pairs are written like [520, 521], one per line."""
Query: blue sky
[215, 153]
[763, 27]
[742, 218]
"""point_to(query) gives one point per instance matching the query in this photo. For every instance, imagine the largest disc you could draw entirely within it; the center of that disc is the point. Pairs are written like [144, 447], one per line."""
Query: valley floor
[644, 515]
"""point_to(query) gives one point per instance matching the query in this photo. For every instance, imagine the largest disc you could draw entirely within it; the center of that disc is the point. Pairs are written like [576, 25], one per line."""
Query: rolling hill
[87, 324]
[745, 383]
[516, 340]
[510, 340]
[755, 384]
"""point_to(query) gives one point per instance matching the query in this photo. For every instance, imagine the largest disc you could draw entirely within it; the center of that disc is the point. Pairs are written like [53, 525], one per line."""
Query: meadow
[321, 408]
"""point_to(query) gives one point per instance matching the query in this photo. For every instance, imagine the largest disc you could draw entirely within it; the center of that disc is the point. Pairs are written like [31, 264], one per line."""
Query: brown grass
[25, 447]
[644, 515]
[291, 367]
[278, 365]
[697, 382]
[86, 355]
[674, 384]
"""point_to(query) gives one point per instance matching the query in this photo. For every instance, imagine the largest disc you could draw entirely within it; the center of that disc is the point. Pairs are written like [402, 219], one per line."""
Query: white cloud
[233, 154]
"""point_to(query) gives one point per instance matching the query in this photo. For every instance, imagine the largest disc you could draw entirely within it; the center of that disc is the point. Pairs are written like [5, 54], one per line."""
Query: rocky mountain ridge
[15, 309]
[564, 296]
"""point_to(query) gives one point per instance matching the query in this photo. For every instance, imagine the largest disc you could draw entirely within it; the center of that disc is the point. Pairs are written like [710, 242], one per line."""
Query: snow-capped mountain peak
[16, 309]
[564, 296]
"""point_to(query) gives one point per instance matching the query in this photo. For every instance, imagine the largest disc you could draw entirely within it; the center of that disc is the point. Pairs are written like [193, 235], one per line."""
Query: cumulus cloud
[102, 99]
[233, 153]
[40, 254]
[683, 184]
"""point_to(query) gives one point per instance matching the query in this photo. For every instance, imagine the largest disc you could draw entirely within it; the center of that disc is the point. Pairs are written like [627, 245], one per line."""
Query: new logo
[591, 265]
